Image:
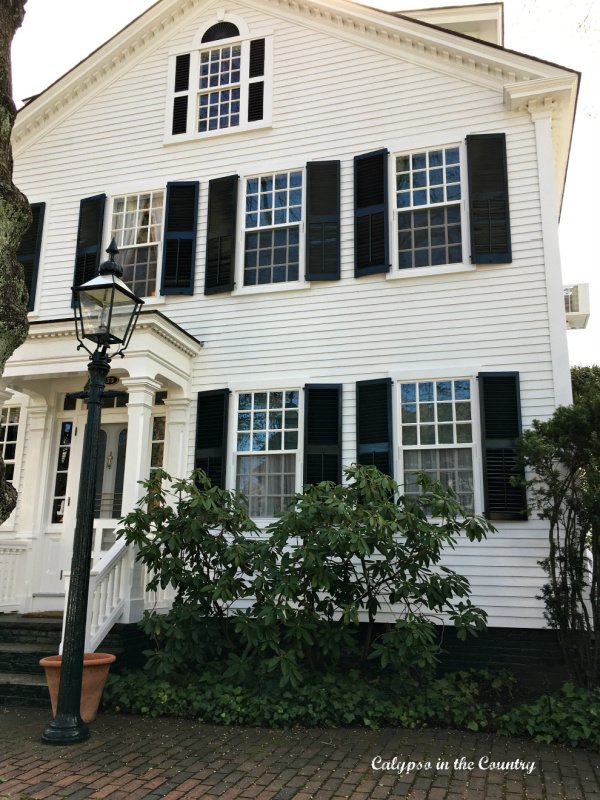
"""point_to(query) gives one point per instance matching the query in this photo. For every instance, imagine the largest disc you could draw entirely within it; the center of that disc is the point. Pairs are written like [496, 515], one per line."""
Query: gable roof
[528, 83]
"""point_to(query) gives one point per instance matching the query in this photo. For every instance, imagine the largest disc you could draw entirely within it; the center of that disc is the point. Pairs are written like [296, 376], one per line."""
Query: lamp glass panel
[98, 323]
[123, 311]
[95, 311]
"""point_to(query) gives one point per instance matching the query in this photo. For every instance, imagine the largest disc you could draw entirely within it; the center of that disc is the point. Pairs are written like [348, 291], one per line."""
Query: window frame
[136, 192]
[454, 374]
[9, 523]
[233, 453]
[465, 264]
[193, 91]
[281, 286]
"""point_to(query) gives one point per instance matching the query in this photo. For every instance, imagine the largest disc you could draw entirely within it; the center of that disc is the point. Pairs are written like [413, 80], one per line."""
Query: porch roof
[159, 349]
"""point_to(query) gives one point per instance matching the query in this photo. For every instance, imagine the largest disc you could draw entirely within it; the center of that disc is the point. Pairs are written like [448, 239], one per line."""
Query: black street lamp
[106, 312]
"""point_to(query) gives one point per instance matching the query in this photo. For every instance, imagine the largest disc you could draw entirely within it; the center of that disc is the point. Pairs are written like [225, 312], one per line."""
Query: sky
[57, 34]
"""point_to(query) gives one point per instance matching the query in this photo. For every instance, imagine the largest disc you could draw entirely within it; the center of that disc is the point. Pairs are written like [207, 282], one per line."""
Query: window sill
[159, 300]
[424, 272]
[295, 286]
[200, 137]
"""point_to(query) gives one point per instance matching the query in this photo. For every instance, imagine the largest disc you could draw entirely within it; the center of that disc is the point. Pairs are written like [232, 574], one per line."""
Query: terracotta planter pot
[95, 671]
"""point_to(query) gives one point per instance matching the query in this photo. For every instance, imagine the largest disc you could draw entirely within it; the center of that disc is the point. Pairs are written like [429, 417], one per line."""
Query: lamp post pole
[106, 312]
[67, 727]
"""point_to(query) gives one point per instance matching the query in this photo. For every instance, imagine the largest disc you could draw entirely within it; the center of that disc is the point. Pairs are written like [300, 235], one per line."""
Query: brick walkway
[136, 758]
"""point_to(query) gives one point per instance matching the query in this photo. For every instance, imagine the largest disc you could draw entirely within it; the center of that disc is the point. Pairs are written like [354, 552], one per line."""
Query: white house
[344, 226]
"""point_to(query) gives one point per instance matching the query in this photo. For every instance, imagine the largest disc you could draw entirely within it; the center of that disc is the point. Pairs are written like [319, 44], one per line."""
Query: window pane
[452, 468]
[426, 413]
[267, 481]
[409, 412]
[409, 435]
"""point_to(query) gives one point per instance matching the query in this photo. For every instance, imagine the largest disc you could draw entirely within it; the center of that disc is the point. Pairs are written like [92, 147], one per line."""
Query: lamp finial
[111, 267]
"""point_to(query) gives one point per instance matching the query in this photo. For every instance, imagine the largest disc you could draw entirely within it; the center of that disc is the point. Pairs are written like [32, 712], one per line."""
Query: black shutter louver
[29, 250]
[220, 238]
[500, 428]
[182, 73]
[256, 89]
[374, 424]
[179, 245]
[180, 107]
[180, 103]
[488, 199]
[323, 220]
[89, 238]
[323, 433]
[371, 246]
[211, 435]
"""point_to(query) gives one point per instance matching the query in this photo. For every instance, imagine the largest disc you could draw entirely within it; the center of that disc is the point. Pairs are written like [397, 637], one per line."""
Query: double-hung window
[137, 224]
[428, 208]
[272, 220]
[222, 86]
[267, 425]
[437, 435]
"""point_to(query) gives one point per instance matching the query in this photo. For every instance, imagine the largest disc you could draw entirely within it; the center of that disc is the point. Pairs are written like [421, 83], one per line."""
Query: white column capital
[178, 409]
[5, 397]
[541, 109]
[141, 390]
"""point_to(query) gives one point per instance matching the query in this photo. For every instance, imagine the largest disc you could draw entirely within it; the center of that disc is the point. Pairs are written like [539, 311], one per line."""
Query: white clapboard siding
[324, 107]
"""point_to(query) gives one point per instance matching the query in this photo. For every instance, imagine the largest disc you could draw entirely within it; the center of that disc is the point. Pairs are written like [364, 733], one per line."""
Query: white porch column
[176, 461]
[139, 437]
[137, 467]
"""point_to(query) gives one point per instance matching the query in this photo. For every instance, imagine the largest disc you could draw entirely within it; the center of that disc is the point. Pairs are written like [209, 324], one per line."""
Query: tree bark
[15, 218]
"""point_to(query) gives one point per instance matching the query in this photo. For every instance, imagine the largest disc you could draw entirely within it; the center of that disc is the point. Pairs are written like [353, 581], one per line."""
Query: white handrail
[109, 584]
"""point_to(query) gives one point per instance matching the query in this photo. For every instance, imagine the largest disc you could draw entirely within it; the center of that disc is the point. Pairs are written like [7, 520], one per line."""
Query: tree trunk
[15, 218]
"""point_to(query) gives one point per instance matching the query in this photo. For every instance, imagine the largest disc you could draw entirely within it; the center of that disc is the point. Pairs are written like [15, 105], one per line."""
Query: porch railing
[161, 599]
[109, 588]
[13, 556]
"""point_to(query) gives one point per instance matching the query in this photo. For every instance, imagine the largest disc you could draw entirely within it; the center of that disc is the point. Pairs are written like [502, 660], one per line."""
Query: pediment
[512, 74]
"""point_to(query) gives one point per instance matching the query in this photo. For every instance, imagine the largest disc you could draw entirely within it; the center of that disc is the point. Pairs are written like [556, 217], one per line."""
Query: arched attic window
[220, 86]
[222, 30]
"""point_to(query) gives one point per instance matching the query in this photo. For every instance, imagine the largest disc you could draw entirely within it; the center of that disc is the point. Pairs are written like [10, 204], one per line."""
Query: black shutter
[89, 238]
[323, 433]
[180, 103]
[179, 245]
[211, 435]
[323, 221]
[256, 89]
[182, 73]
[374, 424]
[500, 428]
[29, 250]
[220, 238]
[488, 199]
[180, 106]
[371, 246]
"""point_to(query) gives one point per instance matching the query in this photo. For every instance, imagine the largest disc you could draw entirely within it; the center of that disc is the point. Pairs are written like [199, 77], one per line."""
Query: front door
[109, 485]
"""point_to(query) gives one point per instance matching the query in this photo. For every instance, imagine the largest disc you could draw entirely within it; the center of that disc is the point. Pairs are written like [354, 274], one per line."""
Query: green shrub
[571, 717]
[334, 700]
[339, 554]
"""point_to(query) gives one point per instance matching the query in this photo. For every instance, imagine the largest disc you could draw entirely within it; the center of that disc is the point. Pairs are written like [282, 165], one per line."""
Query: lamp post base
[66, 729]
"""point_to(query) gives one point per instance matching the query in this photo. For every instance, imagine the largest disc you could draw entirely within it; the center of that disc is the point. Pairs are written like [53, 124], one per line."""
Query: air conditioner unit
[577, 305]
